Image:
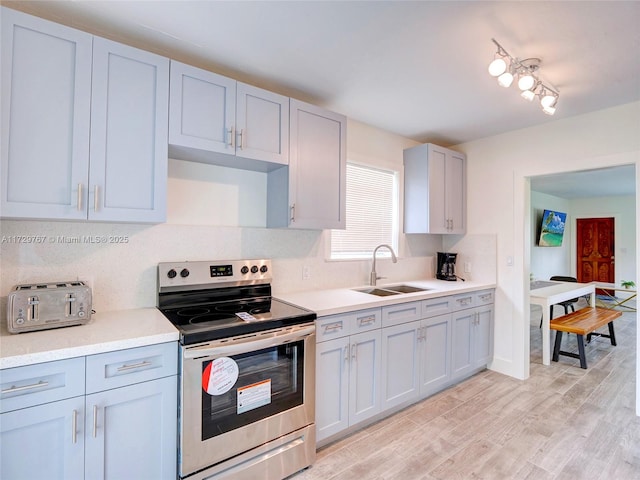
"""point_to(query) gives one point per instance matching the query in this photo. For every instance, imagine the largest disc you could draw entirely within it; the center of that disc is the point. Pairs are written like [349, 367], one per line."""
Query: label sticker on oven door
[219, 376]
[254, 396]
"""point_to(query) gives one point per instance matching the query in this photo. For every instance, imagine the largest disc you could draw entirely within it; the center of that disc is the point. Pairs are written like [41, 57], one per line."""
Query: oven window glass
[269, 381]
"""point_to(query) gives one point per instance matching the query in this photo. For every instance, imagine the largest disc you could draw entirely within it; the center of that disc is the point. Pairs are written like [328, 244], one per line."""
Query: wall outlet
[306, 272]
[467, 267]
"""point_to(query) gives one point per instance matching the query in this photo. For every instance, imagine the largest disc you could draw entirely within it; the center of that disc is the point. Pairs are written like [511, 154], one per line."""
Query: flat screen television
[552, 228]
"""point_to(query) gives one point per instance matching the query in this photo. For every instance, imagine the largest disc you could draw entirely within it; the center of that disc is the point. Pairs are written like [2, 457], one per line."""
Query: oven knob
[184, 273]
[244, 270]
[172, 273]
[263, 269]
[254, 269]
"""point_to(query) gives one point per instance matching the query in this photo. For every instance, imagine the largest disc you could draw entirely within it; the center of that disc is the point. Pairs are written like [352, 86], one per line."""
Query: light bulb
[505, 79]
[497, 67]
[547, 100]
[549, 110]
[528, 95]
[526, 81]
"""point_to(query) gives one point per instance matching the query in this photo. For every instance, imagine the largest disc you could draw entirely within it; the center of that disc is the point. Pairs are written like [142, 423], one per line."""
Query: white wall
[499, 201]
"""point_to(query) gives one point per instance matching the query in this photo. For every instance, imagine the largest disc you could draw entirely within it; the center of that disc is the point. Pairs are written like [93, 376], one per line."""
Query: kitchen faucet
[374, 276]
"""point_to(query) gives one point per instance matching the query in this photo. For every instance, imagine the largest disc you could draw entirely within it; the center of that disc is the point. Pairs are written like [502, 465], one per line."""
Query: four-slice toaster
[41, 306]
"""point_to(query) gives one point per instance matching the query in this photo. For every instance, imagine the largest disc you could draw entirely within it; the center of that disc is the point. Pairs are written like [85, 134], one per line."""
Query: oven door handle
[249, 345]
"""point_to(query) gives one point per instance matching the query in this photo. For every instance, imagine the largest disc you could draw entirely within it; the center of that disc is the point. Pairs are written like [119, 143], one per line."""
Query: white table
[556, 292]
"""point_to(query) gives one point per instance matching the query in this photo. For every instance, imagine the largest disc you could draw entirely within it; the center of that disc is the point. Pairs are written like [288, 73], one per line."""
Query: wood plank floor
[563, 422]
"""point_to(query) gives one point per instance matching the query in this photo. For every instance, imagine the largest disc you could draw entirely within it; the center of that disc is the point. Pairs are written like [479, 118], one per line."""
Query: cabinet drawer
[485, 297]
[464, 300]
[134, 365]
[333, 326]
[437, 306]
[401, 313]
[31, 385]
[365, 320]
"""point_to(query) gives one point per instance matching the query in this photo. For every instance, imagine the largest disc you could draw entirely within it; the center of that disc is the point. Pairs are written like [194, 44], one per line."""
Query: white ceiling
[418, 69]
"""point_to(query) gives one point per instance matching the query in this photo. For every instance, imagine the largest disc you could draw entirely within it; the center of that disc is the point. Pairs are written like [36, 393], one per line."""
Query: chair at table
[567, 303]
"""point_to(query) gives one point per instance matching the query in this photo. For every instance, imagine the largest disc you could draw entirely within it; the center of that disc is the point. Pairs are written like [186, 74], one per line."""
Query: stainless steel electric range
[247, 388]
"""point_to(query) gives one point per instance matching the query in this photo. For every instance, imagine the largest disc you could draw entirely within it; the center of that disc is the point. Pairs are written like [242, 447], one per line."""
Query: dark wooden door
[595, 250]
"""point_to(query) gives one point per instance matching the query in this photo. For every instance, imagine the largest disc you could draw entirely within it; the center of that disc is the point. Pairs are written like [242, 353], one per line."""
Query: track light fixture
[507, 68]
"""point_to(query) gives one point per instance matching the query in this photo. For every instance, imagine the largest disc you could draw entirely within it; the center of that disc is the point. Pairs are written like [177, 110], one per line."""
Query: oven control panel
[202, 273]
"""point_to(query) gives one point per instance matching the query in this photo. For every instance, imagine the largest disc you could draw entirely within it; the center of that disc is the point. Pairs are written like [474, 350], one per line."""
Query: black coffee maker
[447, 266]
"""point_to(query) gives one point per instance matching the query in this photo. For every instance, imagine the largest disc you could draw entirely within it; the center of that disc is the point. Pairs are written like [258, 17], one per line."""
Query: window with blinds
[372, 213]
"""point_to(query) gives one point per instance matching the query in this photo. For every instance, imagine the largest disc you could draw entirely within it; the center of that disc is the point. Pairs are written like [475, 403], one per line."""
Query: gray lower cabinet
[106, 416]
[408, 352]
[347, 371]
[472, 334]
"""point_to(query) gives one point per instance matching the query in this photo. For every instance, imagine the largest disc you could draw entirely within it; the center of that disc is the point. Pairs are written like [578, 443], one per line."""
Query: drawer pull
[367, 320]
[13, 388]
[486, 297]
[333, 326]
[124, 368]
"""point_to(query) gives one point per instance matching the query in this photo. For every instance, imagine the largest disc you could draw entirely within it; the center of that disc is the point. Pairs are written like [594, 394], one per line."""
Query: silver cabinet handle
[95, 421]
[13, 388]
[95, 198]
[354, 350]
[367, 320]
[74, 427]
[241, 135]
[332, 326]
[232, 137]
[293, 212]
[346, 353]
[79, 197]
[124, 368]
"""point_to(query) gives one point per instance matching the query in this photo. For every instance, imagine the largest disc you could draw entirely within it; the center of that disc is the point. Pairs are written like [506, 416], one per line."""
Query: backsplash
[119, 261]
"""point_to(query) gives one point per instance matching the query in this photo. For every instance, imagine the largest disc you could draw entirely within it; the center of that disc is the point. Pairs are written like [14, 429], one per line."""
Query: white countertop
[105, 332]
[341, 300]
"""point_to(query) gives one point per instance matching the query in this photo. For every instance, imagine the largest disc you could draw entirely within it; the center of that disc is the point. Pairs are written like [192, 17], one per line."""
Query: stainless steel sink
[376, 291]
[390, 290]
[405, 289]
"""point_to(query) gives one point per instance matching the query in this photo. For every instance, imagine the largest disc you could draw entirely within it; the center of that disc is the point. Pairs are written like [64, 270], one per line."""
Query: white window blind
[372, 212]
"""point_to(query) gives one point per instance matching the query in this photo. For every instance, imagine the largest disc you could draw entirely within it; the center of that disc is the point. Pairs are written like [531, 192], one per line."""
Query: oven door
[240, 393]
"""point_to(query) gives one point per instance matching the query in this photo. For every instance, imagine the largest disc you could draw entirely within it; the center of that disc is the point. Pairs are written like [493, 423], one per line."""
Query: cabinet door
[129, 112]
[455, 192]
[438, 212]
[400, 364]
[462, 346]
[262, 124]
[332, 387]
[131, 432]
[483, 336]
[46, 92]
[364, 376]
[203, 110]
[46, 441]
[435, 354]
[317, 167]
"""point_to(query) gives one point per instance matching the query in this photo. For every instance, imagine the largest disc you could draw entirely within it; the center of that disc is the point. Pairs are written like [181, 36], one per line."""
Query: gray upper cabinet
[311, 192]
[129, 108]
[434, 190]
[84, 125]
[46, 93]
[214, 119]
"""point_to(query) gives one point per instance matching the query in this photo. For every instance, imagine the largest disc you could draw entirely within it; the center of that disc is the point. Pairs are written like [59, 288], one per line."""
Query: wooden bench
[583, 322]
